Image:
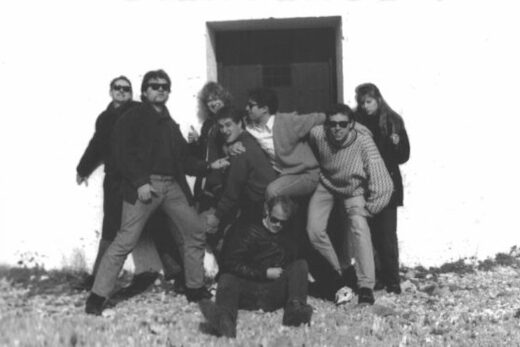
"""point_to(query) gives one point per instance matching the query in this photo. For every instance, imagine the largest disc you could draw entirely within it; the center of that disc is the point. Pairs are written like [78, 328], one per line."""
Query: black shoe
[394, 288]
[296, 313]
[85, 284]
[94, 304]
[365, 296]
[197, 294]
[179, 285]
[219, 319]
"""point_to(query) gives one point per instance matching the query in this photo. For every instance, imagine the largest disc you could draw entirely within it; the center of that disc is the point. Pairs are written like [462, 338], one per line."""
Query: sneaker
[219, 319]
[296, 313]
[394, 288]
[94, 304]
[197, 294]
[365, 296]
[343, 295]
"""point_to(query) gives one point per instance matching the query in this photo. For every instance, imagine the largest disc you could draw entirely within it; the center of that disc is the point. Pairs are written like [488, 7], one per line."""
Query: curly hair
[209, 91]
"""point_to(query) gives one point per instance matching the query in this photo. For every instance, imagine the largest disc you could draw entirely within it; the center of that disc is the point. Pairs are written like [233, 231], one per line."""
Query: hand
[219, 164]
[394, 138]
[236, 149]
[212, 223]
[145, 192]
[80, 179]
[274, 272]
[193, 135]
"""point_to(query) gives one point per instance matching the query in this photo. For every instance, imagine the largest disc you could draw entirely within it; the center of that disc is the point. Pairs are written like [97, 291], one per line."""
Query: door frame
[276, 24]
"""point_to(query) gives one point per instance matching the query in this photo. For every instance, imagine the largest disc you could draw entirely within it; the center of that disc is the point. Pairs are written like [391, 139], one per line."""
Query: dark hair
[342, 109]
[231, 112]
[387, 116]
[119, 78]
[265, 97]
[154, 74]
[285, 202]
[212, 89]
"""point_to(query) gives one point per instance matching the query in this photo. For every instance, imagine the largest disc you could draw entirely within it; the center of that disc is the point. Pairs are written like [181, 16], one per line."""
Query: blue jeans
[188, 232]
[293, 185]
[357, 231]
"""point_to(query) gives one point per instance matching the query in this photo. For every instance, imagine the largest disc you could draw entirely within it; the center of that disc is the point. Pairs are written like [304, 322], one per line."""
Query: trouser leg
[361, 241]
[297, 281]
[384, 235]
[102, 248]
[320, 205]
[133, 221]
[293, 185]
[228, 293]
[191, 228]
[112, 206]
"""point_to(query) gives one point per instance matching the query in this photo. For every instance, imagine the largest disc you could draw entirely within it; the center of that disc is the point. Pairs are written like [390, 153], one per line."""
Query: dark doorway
[300, 63]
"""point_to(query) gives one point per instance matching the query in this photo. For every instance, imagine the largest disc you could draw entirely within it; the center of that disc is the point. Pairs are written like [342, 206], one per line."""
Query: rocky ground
[465, 303]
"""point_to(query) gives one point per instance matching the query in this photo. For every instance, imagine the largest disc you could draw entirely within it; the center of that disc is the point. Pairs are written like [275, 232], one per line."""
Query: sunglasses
[275, 220]
[333, 124]
[122, 88]
[157, 86]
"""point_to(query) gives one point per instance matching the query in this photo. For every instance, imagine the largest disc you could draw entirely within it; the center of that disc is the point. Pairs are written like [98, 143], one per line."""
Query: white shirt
[264, 136]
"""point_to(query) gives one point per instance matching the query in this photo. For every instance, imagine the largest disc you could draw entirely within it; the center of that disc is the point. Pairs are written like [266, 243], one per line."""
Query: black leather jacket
[251, 249]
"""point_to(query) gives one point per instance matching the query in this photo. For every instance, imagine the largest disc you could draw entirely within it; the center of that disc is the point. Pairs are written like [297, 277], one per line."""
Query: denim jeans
[293, 185]
[189, 234]
[357, 228]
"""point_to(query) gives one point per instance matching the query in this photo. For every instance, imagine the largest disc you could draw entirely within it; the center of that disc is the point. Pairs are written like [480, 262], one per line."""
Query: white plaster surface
[450, 68]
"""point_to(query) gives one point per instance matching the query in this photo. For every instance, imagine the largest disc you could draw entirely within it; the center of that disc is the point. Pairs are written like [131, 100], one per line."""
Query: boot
[219, 319]
[94, 304]
[296, 313]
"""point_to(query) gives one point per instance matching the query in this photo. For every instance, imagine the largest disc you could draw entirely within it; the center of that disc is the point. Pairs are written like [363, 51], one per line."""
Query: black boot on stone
[365, 296]
[94, 304]
[296, 313]
[197, 294]
[218, 318]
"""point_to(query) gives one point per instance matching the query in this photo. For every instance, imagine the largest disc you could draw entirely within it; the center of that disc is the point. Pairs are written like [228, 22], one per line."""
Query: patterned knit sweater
[354, 168]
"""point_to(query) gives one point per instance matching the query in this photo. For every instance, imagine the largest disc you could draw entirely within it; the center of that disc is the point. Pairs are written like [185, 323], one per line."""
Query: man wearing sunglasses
[99, 152]
[260, 271]
[352, 172]
[152, 156]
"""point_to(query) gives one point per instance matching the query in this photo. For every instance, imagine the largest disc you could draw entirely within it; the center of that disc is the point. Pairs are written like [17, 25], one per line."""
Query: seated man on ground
[352, 172]
[260, 271]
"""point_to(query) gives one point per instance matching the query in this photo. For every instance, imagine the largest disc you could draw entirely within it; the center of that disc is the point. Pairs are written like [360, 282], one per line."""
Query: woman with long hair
[208, 145]
[392, 141]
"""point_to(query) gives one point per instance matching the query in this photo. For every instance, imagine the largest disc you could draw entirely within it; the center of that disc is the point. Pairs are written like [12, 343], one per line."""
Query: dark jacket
[99, 149]
[247, 178]
[252, 249]
[134, 142]
[209, 148]
[393, 155]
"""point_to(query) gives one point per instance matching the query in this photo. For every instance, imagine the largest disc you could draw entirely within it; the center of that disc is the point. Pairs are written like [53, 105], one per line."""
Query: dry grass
[457, 305]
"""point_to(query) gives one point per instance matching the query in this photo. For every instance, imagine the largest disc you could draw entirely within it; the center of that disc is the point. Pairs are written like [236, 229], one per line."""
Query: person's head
[230, 123]
[155, 87]
[369, 98]
[278, 211]
[120, 90]
[262, 103]
[339, 122]
[212, 97]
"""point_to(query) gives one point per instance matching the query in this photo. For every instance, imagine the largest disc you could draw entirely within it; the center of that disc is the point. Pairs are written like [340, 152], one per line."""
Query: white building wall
[450, 68]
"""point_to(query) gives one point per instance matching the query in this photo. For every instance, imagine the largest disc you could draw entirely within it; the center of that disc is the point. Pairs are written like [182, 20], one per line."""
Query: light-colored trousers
[187, 229]
[358, 232]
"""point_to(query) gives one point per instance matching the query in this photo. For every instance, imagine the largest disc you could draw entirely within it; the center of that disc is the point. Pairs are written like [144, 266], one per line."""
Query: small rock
[408, 287]
[108, 313]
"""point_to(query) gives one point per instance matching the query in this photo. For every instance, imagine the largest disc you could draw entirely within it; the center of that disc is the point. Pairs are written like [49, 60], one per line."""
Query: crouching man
[260, 271]
[353, 173]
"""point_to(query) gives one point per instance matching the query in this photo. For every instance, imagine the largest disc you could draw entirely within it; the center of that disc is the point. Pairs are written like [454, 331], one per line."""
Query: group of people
[266, 184]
